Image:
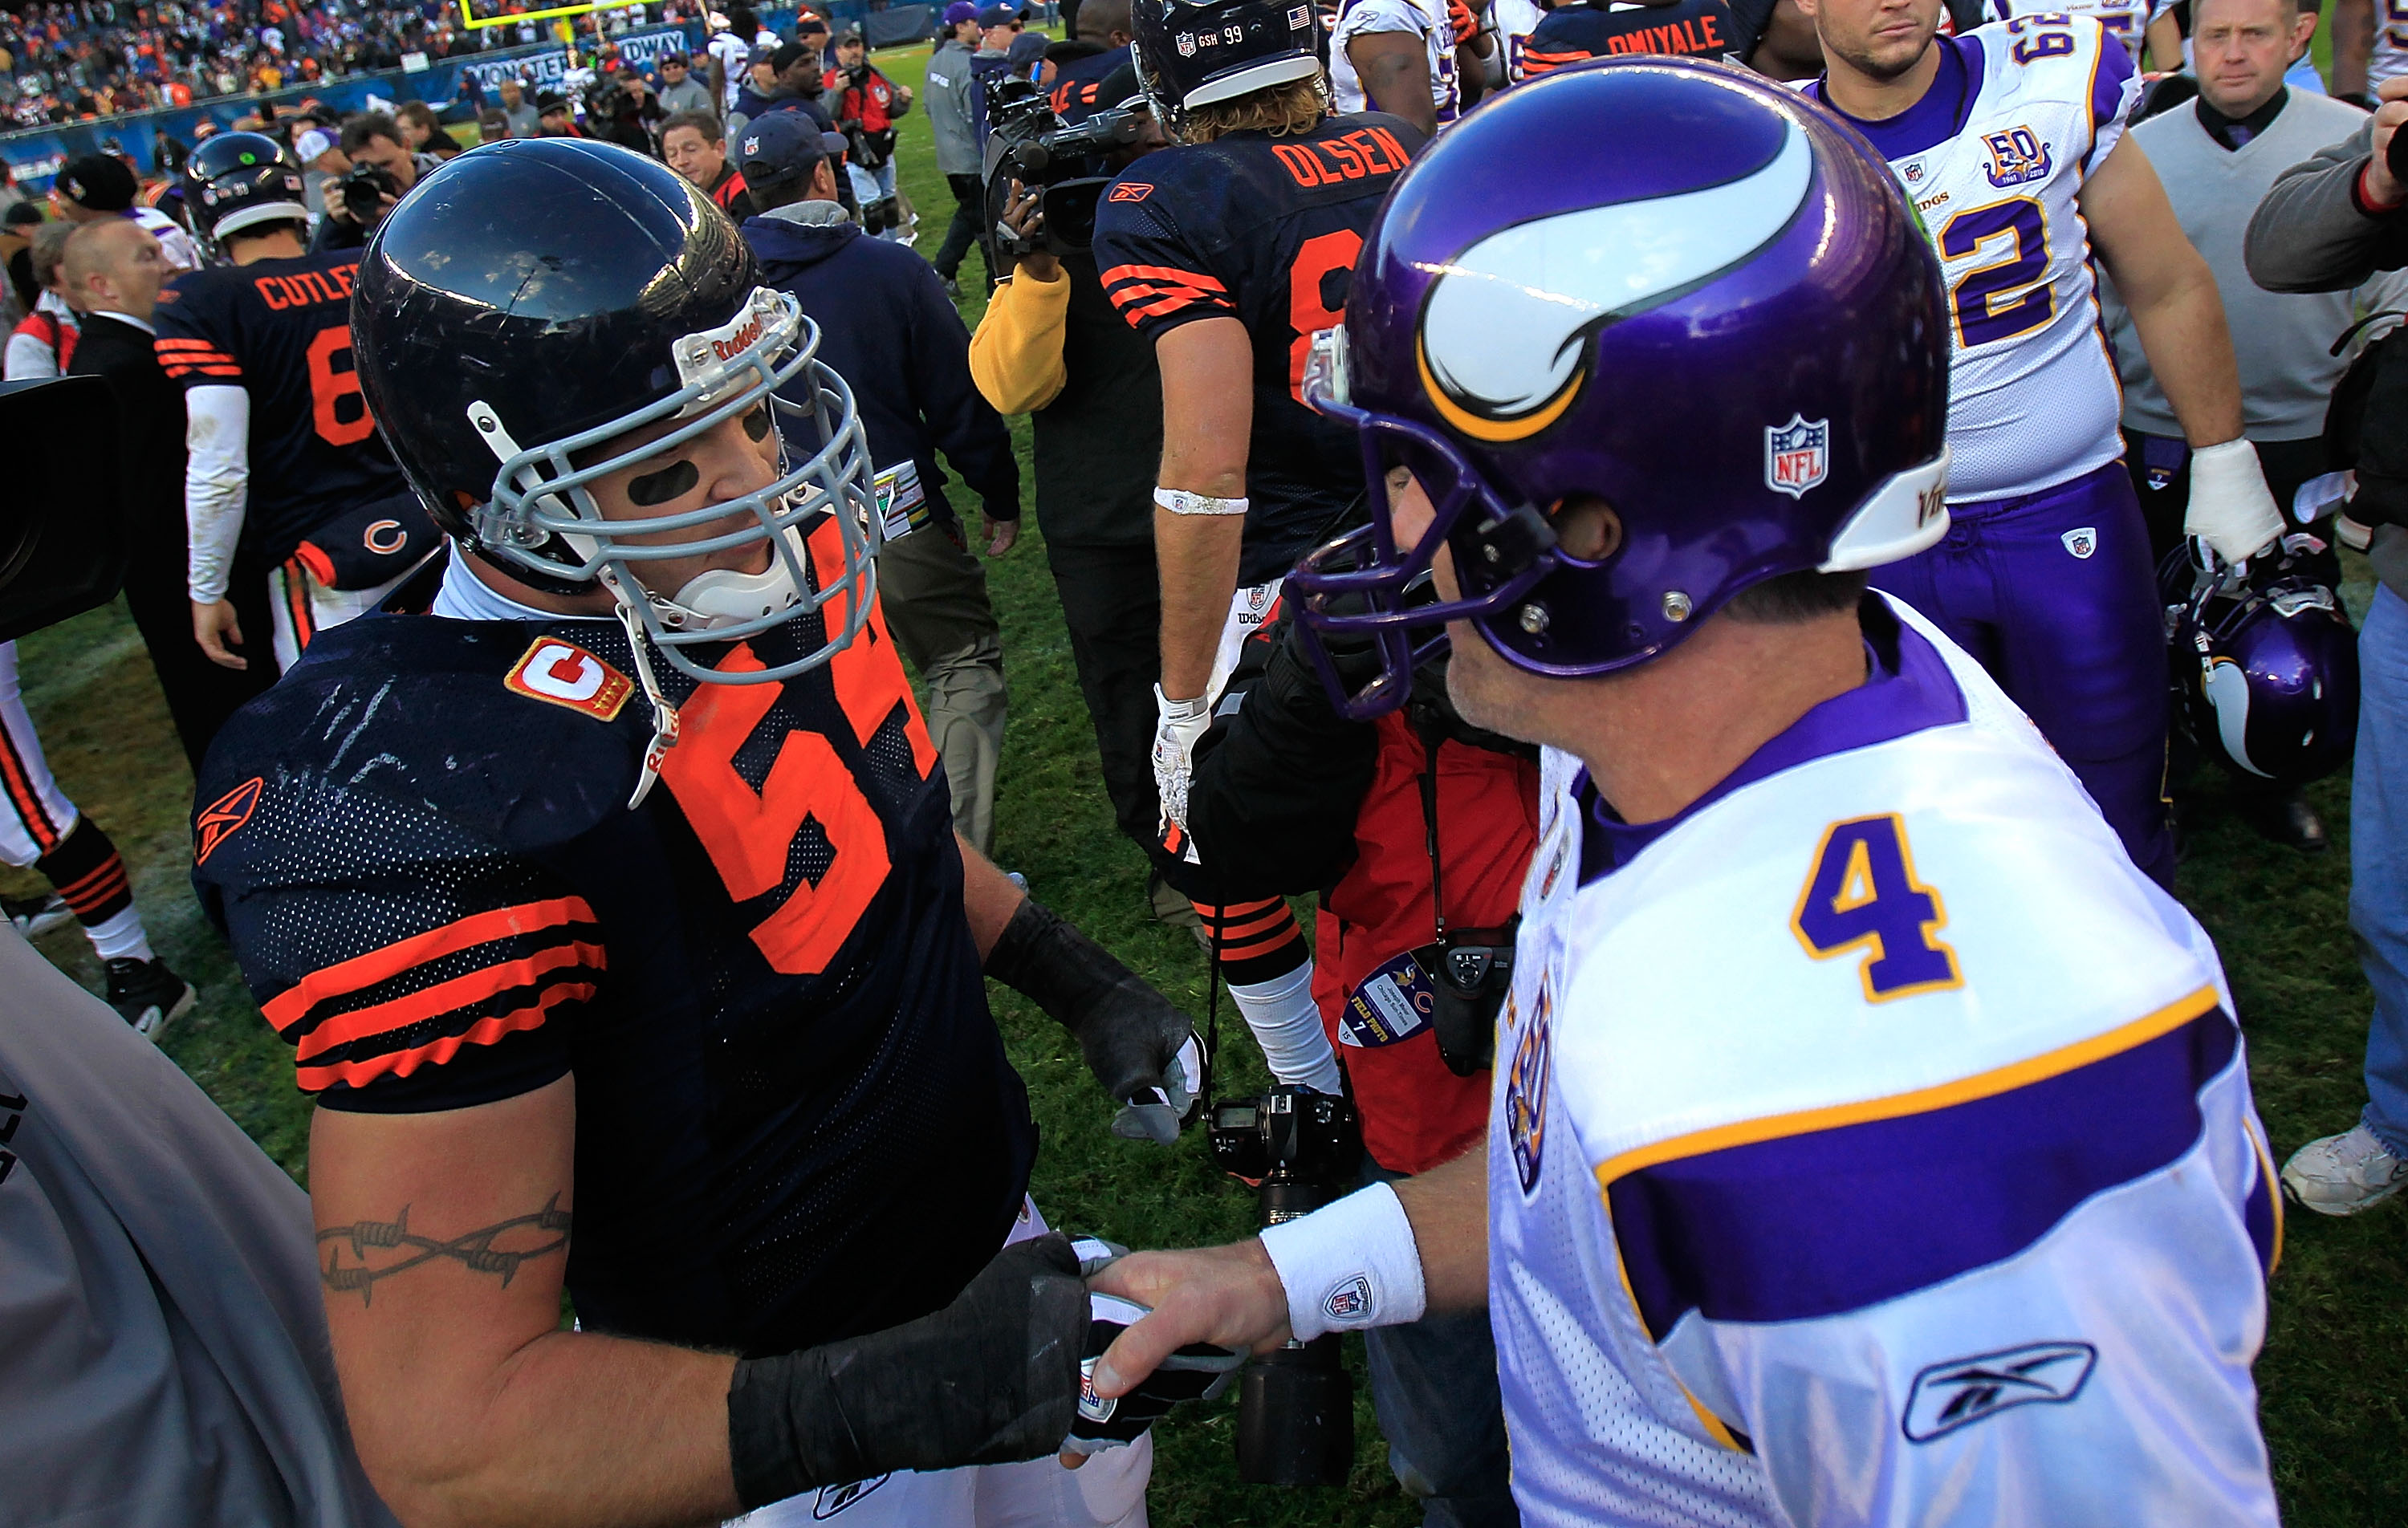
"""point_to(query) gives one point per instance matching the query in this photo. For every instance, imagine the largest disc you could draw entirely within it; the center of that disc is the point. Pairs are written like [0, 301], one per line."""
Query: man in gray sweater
[953, 114]
[2329, 224]
[2216, 155]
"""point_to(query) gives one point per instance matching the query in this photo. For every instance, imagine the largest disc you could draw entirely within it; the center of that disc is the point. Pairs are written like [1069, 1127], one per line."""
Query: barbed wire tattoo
[475, 1249]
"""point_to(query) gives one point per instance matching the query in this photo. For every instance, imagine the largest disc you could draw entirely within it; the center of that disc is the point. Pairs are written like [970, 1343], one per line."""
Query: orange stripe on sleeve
[1165, 273]
[444, 997]
[289, 1007]
[435, 1053]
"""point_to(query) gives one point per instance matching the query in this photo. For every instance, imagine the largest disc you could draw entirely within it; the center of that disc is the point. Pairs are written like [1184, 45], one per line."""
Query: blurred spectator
[886, 326]
[493, 125]
[94, 186]
[319, 149]
[954, 118]
[113, 271]
[518, 109]
[865, 104]
[2217, 155]
[421, 133]
[679, 91]
[2327, 226]
[17, 227]
[554, 120]
[44, 341]
[694, 147]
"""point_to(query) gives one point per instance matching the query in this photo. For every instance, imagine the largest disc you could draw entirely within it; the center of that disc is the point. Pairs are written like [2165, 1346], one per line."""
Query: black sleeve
[964, 426]
[1277, 787]
[337, 234]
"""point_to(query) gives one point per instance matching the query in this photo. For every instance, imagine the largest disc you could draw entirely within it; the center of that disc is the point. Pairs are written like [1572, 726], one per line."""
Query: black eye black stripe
[674, 481]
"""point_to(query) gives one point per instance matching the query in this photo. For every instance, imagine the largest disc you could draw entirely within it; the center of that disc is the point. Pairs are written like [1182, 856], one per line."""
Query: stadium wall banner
[34, 154]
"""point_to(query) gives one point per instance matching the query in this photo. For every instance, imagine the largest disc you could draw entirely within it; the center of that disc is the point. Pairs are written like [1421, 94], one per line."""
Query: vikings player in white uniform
[1871, 1142]
[1393, 35]
[1514, 20]
[2008, 140]
[2127, 20]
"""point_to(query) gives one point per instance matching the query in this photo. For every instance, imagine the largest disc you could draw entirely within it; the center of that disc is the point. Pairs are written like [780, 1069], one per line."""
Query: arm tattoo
[475, 1249]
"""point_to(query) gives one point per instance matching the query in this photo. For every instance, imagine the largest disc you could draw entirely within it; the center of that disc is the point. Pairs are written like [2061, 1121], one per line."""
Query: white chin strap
[723, 596]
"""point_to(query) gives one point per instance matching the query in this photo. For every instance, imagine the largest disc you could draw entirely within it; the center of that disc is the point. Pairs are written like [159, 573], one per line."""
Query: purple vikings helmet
[2269, 675]
[1714, 312]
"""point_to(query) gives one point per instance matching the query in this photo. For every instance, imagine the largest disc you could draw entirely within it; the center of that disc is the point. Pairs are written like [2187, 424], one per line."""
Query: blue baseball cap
[999, 14]
[782, 149]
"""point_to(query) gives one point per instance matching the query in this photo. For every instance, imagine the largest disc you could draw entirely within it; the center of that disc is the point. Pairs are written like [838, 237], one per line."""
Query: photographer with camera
[2327, 225]
[867, 106]
[382, 170]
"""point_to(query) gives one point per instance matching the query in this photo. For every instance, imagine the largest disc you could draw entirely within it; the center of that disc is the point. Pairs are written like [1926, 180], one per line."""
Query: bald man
[112, 271]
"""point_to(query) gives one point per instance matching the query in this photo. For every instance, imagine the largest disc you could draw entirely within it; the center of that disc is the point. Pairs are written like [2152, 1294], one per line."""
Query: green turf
[2336, 1353]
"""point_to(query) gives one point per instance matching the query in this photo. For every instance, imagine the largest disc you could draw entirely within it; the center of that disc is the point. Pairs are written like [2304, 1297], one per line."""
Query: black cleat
[147, 994]
[2287, 819]
[32, 915]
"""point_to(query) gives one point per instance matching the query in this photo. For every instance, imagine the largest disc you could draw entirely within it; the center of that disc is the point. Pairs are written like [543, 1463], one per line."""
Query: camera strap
[1427, 779]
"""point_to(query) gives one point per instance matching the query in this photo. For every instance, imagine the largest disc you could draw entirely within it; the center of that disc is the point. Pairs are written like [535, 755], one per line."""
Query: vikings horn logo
[1504, 336]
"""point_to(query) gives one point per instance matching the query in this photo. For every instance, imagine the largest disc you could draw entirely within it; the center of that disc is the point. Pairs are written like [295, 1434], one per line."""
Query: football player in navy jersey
[1229, 249]
[614, 912]
[284, 470]
[1605, 29]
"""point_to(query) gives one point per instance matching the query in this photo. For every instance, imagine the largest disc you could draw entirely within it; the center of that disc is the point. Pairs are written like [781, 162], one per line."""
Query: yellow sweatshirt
[1016, 355]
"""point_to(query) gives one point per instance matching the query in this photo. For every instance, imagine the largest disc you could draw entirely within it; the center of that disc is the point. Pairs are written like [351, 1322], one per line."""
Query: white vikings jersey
[1873, 1145]
[2389, 58]
[1516, 20]
[1992, 157]
[2127, 20]
[1426, 19]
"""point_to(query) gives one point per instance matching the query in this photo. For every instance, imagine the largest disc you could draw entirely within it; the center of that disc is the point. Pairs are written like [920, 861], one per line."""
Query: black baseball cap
[783, 148]
[22, 213]
[98, 183]
[787, 56]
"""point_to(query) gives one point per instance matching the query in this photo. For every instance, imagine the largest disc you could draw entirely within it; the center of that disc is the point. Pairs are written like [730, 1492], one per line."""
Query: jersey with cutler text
[280, 330]
[1871, 1143]
[1993, 157]
[1425, 20]
[795, 1118]
[1688, 28]
[1264, 230]
[2127, 20]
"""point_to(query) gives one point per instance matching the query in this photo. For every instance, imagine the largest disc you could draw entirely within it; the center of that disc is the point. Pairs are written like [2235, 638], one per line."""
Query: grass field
[2335, 1370]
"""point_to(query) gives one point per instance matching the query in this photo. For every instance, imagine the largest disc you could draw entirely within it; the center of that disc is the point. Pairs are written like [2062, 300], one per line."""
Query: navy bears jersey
[762, 978]
[1569, 34]
[1079, 85]
[282, 331]
[1263, 230]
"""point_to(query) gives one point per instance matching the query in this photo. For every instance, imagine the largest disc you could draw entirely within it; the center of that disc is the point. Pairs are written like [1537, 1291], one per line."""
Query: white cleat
[2345, 1174]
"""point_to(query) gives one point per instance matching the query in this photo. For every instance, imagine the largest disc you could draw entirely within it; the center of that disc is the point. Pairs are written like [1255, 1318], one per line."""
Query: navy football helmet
[531, 304]
[2268, 670]
[1192, 53]
[240, 180]
[1715, 313]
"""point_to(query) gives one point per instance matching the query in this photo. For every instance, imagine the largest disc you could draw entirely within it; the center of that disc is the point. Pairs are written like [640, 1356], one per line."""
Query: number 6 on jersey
[1862, 897]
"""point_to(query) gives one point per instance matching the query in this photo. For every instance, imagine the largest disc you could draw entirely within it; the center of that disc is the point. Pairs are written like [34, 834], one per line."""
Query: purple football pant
[2054, 594]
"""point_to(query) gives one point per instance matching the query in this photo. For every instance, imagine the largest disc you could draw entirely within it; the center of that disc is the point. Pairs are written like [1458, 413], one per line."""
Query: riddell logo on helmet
[738, 343]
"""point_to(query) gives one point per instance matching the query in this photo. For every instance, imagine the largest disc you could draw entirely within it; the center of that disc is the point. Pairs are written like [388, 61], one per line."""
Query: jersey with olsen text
[280, 330]
[1425, 20]
[1871, 1143]
[1687, 28]
[795, 1118]
[1994, 157]
[1264, 230]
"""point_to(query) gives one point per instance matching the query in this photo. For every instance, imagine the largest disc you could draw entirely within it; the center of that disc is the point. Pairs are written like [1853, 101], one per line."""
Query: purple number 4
[1862, 897]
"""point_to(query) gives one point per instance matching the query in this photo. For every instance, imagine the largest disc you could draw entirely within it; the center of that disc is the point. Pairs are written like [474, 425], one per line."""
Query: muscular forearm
[1197, 555]
[1449, 1208]
[988, 897]
[2191, 351]
[577, 1429]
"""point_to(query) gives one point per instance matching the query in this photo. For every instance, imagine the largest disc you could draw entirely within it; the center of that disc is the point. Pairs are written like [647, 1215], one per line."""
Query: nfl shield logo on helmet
[1797, 455]
[2081, 541]
[1187, 45]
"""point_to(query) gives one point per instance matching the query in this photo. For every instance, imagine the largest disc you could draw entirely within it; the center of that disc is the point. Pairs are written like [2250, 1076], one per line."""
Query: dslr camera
[363, 189]
[1295, 1407]
[1070, 165]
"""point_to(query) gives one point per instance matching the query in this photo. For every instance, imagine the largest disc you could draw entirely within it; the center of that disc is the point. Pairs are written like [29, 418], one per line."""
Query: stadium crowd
[1749, 1063]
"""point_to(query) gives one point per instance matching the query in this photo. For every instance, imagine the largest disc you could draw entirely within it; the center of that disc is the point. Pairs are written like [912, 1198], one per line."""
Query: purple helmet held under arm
[1713, 312]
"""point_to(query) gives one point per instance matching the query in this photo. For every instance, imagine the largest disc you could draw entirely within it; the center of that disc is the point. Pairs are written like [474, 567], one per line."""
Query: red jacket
[872, 105]
[1417, 1114]
[56, 336]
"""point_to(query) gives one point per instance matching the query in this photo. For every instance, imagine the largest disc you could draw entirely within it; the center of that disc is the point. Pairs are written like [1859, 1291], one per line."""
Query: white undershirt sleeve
[217, 484]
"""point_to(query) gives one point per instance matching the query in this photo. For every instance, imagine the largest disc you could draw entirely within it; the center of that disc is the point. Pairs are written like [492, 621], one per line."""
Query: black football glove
[1196, 1372]
[1140, 1048]
[993, 1379]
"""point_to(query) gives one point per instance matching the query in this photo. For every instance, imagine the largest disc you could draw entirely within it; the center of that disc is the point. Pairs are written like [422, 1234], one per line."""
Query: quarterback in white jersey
[1870, 1142]
[1408, 33]
[2009, 139]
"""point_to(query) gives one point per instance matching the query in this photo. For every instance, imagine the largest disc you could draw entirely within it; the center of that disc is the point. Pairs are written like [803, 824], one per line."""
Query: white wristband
[1349, 1265]
[1180, 502]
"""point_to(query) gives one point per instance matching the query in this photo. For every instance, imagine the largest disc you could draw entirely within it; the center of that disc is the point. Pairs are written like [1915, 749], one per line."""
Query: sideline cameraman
[1415, 829]
[2327, 225]
[1050, 347]
[867, 106]
[383, 168]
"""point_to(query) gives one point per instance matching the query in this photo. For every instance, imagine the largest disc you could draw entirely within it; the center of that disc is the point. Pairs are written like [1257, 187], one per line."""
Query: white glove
[2230, 508]
[1178, 726]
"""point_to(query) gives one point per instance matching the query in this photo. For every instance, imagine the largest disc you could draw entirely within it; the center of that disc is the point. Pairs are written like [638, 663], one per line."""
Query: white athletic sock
[121, 939]
[1287, 1025]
